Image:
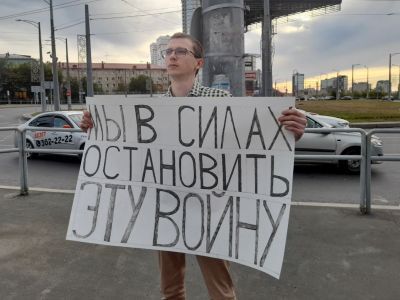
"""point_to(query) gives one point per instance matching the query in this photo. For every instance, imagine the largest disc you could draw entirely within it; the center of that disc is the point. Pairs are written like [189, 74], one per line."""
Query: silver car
[334, 143]
[333, 121]
[55, 139]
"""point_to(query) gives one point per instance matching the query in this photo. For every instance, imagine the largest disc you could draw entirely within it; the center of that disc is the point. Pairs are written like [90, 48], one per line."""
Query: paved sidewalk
[332, 253]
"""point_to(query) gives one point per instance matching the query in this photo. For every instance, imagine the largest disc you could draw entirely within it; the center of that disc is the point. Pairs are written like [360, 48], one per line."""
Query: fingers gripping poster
[205, 176]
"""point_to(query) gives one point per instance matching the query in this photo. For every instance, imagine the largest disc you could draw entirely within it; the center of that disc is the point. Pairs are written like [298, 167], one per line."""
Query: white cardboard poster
[205, 176]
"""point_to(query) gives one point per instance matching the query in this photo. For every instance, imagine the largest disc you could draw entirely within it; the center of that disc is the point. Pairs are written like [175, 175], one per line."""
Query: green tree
[121, 88]
[74, 89]
[17, 78]
[138, 84]
[97, 88]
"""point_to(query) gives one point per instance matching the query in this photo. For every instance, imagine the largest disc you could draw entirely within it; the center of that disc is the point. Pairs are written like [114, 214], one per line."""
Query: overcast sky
[364, 32]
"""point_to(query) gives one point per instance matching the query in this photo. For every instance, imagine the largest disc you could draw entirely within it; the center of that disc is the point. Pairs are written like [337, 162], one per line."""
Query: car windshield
[77, 118]
[312, 123]
[336, 123]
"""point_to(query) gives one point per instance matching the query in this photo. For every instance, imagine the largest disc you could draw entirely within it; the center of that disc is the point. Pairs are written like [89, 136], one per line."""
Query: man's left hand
[294, 121]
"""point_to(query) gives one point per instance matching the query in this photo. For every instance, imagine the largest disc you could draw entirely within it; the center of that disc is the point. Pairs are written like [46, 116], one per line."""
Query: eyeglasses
[179, 52]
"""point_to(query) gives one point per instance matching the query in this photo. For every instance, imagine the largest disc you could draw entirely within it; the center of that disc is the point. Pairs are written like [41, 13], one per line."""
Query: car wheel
[29, 145]
[351, 166]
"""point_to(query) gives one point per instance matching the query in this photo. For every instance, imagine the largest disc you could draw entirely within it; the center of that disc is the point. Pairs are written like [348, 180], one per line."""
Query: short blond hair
[197, 47]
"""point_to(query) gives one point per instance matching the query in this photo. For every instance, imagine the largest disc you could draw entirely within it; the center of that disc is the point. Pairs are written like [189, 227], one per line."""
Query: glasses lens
[169, 51]
[181, 51]
[166, 52]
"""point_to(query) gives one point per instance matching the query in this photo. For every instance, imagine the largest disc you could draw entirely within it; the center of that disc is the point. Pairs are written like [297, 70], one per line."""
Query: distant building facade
[188, 8]
[330, 86]
[156, 48]
[251, 74]
[113, 78]
[382, 86]
[297, 84]
[16, 59]
[361, 87]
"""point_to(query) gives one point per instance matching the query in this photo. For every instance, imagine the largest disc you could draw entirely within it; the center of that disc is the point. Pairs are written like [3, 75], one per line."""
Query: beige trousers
[215, 273]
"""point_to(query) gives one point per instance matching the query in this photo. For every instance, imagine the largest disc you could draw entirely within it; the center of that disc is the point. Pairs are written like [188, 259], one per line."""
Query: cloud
[336, 41]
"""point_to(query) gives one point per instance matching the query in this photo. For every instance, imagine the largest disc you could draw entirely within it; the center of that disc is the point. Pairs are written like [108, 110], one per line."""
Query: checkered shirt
[202, 91]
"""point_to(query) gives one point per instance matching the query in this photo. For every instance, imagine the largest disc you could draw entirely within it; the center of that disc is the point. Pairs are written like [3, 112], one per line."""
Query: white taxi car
[334, 143]
[44, 139]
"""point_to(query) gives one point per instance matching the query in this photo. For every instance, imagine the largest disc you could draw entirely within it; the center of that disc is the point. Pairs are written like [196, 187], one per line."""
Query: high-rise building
[361, 87]
[188, 8]
[297, 84]
[335, 84]
[382, 86]
[155, 50]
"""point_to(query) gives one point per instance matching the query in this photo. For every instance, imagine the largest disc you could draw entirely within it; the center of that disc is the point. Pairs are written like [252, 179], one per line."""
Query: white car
[333, 121]
[55, 139]
[334, 143]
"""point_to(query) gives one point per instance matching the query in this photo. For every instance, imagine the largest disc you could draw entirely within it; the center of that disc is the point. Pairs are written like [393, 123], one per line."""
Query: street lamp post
[56, 91]
[68, 75]
[352, 79]
[390, 74]
[42, 90]
[275, 93]
[367, 81]
[337, 86]
[398, 84]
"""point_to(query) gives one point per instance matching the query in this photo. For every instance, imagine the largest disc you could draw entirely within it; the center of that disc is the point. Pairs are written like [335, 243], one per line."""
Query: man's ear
[200, 63]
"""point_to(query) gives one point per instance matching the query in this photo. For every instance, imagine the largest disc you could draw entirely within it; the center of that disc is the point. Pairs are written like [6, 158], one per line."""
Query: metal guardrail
[23, 163]
[365, 156]
[370, 158]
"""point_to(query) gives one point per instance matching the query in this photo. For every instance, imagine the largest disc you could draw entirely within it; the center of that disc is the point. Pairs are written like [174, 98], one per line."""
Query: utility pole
[390, 77]
[367, 83]
[390, 74]
[337, 86]
[125, 84]
[352, 79]
[56, 89]
[150, 80]
[223, 62]
[68, 78]
[42, 90]
[398, 85]
[266, 50]
[89, 77]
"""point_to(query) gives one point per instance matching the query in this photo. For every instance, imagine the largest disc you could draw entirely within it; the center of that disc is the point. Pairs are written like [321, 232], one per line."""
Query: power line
[126, 2]
[134, 16]
[45, 9]
[131, 31]
[69, 26]
[124, 12]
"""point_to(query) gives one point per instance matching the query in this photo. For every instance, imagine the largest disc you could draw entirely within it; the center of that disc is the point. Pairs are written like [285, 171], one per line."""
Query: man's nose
[173, 56]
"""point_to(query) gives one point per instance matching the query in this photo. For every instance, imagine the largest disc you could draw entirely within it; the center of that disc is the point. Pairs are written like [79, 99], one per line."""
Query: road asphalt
[331, 253]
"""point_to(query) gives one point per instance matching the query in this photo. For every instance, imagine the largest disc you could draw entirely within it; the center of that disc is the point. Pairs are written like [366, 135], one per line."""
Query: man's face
[182, 65]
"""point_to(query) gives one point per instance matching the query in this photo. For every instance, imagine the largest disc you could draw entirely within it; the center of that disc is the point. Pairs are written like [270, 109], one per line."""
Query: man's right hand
[86, 121]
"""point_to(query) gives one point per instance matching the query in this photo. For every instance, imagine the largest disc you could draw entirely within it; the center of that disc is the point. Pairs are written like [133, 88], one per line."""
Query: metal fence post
[23, 164]
[363, 172]
[368, 176]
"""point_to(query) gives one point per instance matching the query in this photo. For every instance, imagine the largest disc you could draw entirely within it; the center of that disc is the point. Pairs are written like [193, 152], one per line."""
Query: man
[184, 59]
